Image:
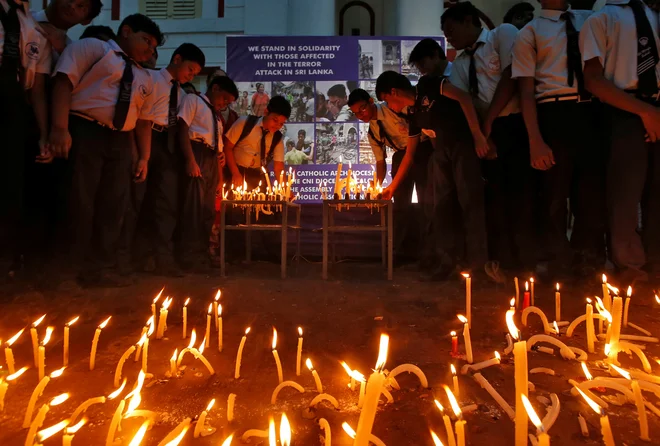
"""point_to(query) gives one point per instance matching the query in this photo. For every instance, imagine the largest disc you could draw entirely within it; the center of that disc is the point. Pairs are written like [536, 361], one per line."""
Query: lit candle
[41, 416]
[606, 300]
[454, 344]
[162, 321]
[639, 402]
[466, 338]
[228, 440]
[348, 180]
[605, 429]
[627, 306]
[265, 172]
[325, 426]
[374, 389]
[41, 353]
[200, 425]
[278, 363]
[515, 280]
[591, 330]
[139, 436]
[526, 296]
[69, 432]
[468, 298]
[615, 327]
[239, 356]
[460, 423]
[35, 338]
[207, 338]
[521, 380]
[175, 437]
[120, 364]
[512, 304]
[148, 328]
[351, 433]
[145, 348]
[98, 400]
[451, 439]
[97, 334]
[4, 385]
[494, 394]
[215, 307]
[543, 438]
[231, 402]
[67, 326]
[317, 380]
[185, 318]
[455, 380]
[38, 391]
[436, 440]
[197, 353]
[531, 281]
[285, 431]
[173, 369]
[220, 329]
[557, 305]
[49, 432]
[299, 353]
[9, 354]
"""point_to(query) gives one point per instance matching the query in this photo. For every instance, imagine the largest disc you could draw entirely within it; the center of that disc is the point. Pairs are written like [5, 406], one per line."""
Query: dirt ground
[342, 320]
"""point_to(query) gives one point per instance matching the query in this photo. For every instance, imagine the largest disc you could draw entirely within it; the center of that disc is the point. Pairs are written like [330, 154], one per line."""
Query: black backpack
[250, 122]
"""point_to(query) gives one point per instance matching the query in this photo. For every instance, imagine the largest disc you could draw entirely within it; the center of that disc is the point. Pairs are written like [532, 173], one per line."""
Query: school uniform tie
[264, 134]
[124, 97]
[172, 116]
[647, 51]
[473, 80]
[10, 70]
[573, 55]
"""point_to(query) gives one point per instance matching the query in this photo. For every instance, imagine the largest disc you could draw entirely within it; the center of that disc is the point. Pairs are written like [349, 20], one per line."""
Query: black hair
[338, 90]
[212, 74]
[259, 84]
[582, 4]
[95, 7]
[426, 48]
[225, 84]
[280, 106]
[140, 22]
[516, 10]
[358, 95]
[461, 11]
[302, 131]
[320, 96]
[290, 142]
[390, 80]
[98, 32]
[191, 52]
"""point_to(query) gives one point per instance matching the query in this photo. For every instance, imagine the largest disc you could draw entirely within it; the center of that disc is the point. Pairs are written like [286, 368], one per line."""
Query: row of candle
[351, 186]
[280, 190]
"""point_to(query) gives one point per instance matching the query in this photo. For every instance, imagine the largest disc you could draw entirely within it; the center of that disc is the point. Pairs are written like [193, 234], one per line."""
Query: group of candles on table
[612, 315]
[350, 188]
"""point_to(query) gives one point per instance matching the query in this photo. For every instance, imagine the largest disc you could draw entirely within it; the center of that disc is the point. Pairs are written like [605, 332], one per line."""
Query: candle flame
[607, 349]
[439, 406]
[586, 371]
[285, 431]
[453, 369]
[57, 373]
[15, 337]
[462, 318]
[36, 323]
[202, 346]
[512, 302]
[272, 436]
[346, 368]
[263, 169]
[118, 392]
[497, 356]
[621, 372]
[193, 338]
[274, 344]
[59, 399]
[358, 376]
[179, 437]
[210, 309]
[436, 440]
[595, 407]
[159, 294]
[466, 275]
[49, 432]
[526, 286]
[150, 321]
[515, 333]
[657, 299]
[531, 280]
[556, 327]
[105, 322]
[452, 334]
[348, 429]
[139, 436]
[71, 322]
[166, 303]
[227, 442]
[210, 405]
[49, 333]
[247, 331]
[76, 427]
[219, 310]
[382, 352]
[17, 374]
[300, 331]
[308, 363]
[217, 295]
[613, 289]
[589, 300]
[534, 418]
[454, 403]
[604, 278]
[601, 309]
[185, 304]
[136, 398]
[142, 340]
[557, 286]
[629, 292]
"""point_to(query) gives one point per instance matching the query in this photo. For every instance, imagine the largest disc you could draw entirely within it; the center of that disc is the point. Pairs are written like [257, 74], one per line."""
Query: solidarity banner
[316, 75]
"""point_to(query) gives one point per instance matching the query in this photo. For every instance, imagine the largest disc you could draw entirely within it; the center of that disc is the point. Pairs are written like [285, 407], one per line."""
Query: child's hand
[45, 155]
[140, 171]
[221, 159]
[60, 142]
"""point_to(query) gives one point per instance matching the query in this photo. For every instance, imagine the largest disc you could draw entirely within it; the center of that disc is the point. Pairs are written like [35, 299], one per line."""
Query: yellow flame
[166, 303]
[217, 295]
[174, 355]
[557, 286]
[466, 275]
[515, 333]
[629, 292]
[358, 376]
[453, 369]
[586, 371]
[348, 429]
[621, 371]
[613, 289]
[210, 309]
[179, 437]
[49, 333]
[285, 431]
[49, 432]
[512, 302]
[193, 338]
[227, 442]
[382, 352]
[159, 294]
[604, 278]
[105, 322]
[136, 398]
[15, 337]
[185, 304]
[531, 280]
[72, 321]
[59, 399]
[595, 407]
[346, 368]
[589, 300]
[139, 436]
[76, 427]
[150, 321]
[219, 310]
[210, 405]
[247, 331]
[536, 421]
[439, 406]
[202, 346]
[57, 373]
[300, 332]
[274, 344]
[117, 392]
[142, 340]
[36, 323]
[17, 374]
[556, 327]
[308, 363]
[454, 404]
[607, 349]
[436, 440]
[497, 356]
[462, 318]
[272, 436]
[657, 299]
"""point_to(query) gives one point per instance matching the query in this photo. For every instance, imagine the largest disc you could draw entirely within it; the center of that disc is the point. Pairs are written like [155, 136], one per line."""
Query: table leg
[383, 235]
[248, 235]
[331, 223]
[285, 228]
[299, 228]
[390, 240]
[324, 273]
[223, 211]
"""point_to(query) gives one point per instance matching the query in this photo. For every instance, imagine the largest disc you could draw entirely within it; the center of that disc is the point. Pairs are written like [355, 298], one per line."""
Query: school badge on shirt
[32, 50]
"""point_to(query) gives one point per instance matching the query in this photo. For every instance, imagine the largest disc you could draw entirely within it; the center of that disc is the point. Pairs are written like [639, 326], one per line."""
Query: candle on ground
[454, 344]
[615, 327]
[317, 380]
[38, 391]
[41, 416]
[145, 330]
[466, 338]
[285, 431]
[120, 364]
[278, 363]
[67, 326]
[374, 389]
[231, 402]
[215, 307]
[239, 356]
[327, 433]
[606, 295]
[200, 425]
[95, 342]
[495, 394]
[173, 368]
[512, 304]
[351, 433]
[460, 423]
[299, 352]
[69, 432]
[4, 385]
[220, 329]
[557, 305]
[468, 298]
[45, 434]
[41, 353]
[639, 402]
[35, 338]
[521, 380]
[591, 330]
[139, 436]
[605, 429]
[207, 338]
[482, 365]
[517, 291]
[627, 306]
[9, 354]
[455, 381]
[145, 348]
[185, 318]
[162, 320]
[531, 281]
[436, 440]
[154, 302]
[526, 297]
[543, 438]
[451, 439]
[228, 440]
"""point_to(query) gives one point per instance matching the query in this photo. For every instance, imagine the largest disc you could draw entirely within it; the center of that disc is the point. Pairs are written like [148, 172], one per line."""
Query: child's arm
[39, 104]
[143, 141]
[60, 139]
[404, 167]
[464, 99]
[192, 169]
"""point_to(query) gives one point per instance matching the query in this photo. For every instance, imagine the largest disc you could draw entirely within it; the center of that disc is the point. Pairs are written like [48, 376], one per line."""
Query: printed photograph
[369, 87]
[370, 60]
[253, 98]
[332, 101]
[298, 142]
[366, 154]
[335, 141]
[410, 71]
[392, 55]
[301, 97]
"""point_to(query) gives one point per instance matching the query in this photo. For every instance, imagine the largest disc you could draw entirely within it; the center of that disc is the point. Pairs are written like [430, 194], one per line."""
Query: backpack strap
[250, 122]
[277, 137]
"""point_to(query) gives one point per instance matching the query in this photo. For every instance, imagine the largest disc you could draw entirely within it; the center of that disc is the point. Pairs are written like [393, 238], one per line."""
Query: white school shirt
[41, 17]
[396, 127]
[540, 52]
[95, 69]
[157, 104]
[36, 52]
[247, 153]
[611, 36]
[197, 114]
[491, 58]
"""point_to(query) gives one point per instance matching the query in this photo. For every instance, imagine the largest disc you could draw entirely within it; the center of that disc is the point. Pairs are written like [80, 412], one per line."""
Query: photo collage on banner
[316, 75]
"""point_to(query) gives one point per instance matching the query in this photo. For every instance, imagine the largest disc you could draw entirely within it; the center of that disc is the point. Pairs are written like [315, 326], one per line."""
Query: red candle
[526, 296]
[454, 344]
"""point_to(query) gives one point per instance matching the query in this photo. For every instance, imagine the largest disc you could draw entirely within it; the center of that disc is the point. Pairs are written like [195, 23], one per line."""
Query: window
[171, 9]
